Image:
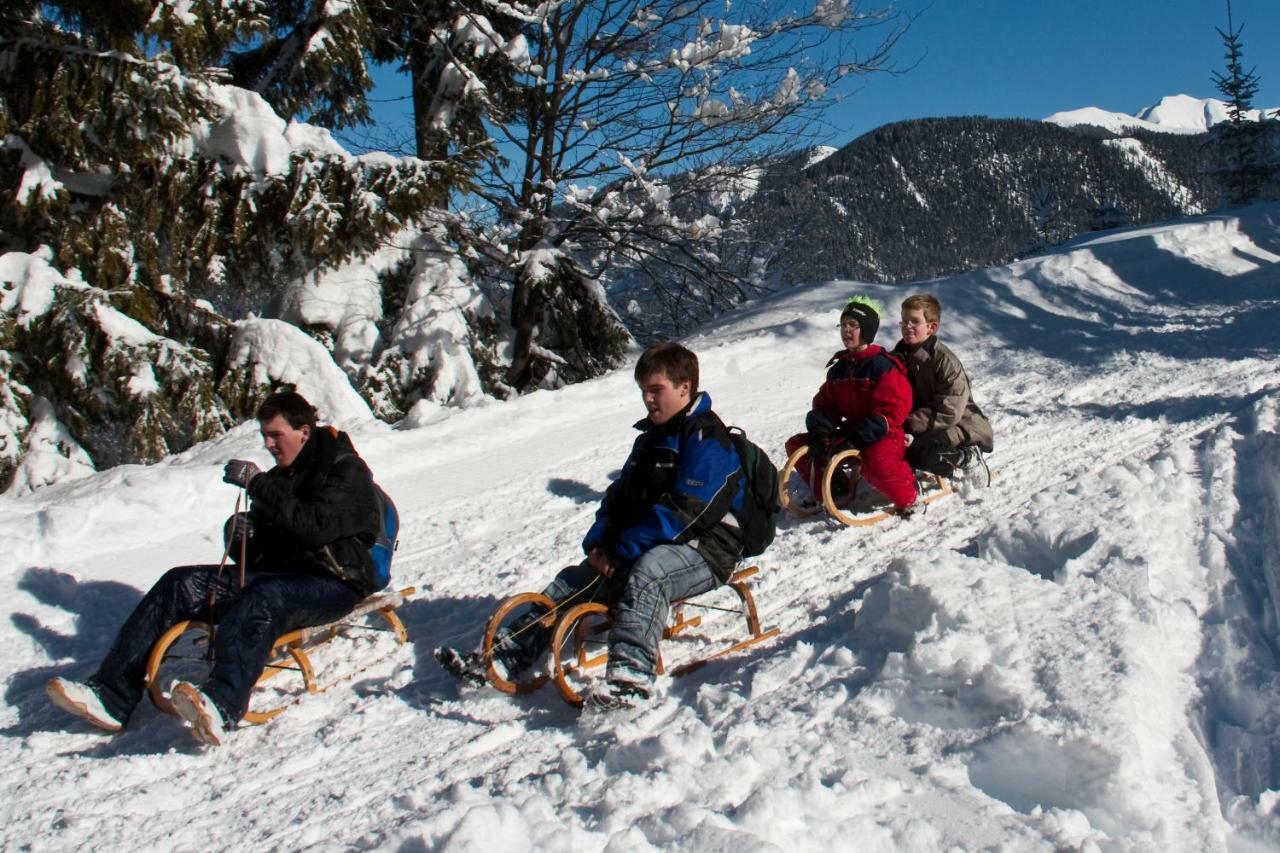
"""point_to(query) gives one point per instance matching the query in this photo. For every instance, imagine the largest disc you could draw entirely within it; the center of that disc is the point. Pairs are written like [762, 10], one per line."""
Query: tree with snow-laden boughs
[622, 113]
[148, 207]
[459, 59]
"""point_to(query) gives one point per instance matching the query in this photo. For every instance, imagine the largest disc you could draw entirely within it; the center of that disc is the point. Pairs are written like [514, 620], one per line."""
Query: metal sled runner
[187, 644]
[578, 638]
[844, 470]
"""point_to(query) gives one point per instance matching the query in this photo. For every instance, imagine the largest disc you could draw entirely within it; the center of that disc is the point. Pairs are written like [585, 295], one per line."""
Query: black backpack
[760, 504]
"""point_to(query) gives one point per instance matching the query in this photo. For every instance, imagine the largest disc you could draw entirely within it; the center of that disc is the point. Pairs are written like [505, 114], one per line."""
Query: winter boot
[615, 696]
[198, 712]
[467, 667]
[81, 699]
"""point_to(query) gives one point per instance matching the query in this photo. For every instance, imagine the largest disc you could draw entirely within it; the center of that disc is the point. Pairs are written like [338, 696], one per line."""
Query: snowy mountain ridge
[1077, 657]
[1171, 114]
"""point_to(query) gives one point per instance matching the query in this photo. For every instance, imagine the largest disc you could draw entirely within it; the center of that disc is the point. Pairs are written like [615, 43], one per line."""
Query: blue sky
[1032, 58]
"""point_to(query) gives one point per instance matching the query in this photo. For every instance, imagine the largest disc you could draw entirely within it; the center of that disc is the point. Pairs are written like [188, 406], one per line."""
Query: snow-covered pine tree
[307, 59]
[147, 206]
[1045, 217]
[458, 56]
[1246, 156]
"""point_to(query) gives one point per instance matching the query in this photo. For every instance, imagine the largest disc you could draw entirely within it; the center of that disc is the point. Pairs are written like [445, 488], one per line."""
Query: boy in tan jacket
[945, 423]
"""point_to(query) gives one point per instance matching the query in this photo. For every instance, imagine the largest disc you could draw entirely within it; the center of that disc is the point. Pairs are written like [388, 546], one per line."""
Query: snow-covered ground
[1081, 656]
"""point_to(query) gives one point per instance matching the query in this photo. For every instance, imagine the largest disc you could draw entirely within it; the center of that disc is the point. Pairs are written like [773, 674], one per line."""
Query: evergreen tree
[458, 55]
[138, 227]
[1246, 164]
[1044, 217]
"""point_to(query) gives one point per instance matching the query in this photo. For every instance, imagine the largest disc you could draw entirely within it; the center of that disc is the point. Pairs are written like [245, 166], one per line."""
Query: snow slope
[1082, 656]
[1172, 114]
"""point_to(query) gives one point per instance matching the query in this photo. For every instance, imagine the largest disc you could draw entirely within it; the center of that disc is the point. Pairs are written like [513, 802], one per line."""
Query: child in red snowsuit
[862, 404]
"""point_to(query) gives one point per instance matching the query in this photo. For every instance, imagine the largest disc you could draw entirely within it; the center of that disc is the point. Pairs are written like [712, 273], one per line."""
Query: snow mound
[280, 350]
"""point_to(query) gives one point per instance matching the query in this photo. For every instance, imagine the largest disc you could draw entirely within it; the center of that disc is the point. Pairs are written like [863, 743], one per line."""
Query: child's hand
[601, 562]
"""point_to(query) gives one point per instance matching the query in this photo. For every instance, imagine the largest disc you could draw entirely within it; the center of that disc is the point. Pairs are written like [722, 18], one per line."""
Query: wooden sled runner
[182, 651]
[578, 641]
[844, 467]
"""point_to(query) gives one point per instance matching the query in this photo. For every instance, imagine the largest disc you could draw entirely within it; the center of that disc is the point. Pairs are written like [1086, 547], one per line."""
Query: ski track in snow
[1082, 655]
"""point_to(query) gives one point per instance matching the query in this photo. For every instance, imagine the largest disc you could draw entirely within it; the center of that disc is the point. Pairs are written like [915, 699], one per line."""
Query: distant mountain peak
[1172, 114]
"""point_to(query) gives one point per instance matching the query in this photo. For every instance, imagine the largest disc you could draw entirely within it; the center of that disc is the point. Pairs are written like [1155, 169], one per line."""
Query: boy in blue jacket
[667, 529]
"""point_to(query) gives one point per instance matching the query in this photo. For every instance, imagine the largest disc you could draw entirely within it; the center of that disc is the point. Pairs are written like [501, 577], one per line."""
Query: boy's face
[663, 399]
[850, 334]
[915, 328]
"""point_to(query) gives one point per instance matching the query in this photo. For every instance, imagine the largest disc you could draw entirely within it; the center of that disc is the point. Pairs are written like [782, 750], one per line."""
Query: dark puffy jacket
[868, 391]
[681, 484]
[318, 516]
[943, 397]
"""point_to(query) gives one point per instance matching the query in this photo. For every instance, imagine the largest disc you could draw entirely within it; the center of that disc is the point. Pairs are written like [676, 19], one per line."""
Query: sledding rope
[555, 609]
[244, 534]
[241, 496]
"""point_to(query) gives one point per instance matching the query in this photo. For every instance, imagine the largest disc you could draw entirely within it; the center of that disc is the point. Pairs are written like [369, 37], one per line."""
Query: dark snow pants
[248, 620]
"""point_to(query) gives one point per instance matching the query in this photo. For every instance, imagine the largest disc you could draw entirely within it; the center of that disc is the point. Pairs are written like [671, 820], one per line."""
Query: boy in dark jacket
[944, 419]
[862, 405]
[665, 530]
[306, 543]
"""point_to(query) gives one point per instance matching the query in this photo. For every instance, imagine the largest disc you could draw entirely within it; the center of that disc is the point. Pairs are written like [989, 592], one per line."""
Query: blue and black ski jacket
[682, 483]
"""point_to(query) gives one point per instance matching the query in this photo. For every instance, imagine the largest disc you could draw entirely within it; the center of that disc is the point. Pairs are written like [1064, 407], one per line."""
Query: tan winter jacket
[942, 397]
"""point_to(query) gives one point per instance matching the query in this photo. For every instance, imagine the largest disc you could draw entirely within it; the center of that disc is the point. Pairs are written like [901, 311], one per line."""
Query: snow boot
[467, 667]
[198, 712]
[79, 698]
[616, 696]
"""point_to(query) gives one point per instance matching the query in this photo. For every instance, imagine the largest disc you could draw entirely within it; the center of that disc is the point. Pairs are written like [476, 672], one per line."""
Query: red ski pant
[884, 467]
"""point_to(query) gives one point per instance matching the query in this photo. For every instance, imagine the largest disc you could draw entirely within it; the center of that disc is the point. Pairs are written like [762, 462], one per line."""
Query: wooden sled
[183, 651]
[846, 464]
[578, 638]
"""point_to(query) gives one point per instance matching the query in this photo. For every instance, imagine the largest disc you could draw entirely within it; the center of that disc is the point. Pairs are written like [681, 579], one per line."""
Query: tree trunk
[428, 145]
[526, 311]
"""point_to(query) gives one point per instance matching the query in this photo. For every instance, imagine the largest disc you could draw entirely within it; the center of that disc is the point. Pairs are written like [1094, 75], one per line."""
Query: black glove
[239, 528]
[240, 472]
[821, 430]
[819, 425]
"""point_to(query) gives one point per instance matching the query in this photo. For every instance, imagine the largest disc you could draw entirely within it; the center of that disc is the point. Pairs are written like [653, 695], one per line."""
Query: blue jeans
[663, 574]
[249, 621]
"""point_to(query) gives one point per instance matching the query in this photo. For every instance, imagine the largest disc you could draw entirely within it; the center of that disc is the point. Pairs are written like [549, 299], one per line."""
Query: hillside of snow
[1081, 656]
[1171, 114]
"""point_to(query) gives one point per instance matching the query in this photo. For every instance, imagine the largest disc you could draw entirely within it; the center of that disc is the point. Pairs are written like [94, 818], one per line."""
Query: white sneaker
[76, 697]
[199, 712]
